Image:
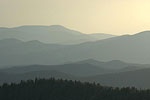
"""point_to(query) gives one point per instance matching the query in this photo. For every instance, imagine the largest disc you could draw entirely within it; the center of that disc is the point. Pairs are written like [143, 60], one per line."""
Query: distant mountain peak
[58, 26]
[34, 42]
[116, 61]
[143, 33]
[63, 28]
[30, 26]
[54, 27]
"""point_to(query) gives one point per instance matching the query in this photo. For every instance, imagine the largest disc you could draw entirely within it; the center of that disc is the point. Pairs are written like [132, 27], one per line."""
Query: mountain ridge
[137, 78]
[127, 48]
[47, 34]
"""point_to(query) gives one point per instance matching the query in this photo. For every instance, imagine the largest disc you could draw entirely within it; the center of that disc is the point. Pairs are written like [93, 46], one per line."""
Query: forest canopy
[58, 89]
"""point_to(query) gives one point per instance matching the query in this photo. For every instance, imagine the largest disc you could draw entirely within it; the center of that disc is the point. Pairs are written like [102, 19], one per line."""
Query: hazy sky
[88, 16]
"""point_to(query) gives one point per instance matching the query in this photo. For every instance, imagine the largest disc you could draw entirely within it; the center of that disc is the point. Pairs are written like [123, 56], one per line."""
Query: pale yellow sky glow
[88, 16]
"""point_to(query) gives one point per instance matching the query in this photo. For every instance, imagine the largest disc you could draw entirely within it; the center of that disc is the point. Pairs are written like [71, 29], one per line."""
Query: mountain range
[137, 78]
[84, 68]
[28, 52]
[50, 34]
[127, 48]
[105, 73]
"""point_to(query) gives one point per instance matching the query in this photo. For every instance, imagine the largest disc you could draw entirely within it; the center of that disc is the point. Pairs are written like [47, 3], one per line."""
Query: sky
[88, 16]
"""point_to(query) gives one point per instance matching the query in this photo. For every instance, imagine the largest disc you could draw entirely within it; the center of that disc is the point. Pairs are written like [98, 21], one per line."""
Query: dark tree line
[52, 89]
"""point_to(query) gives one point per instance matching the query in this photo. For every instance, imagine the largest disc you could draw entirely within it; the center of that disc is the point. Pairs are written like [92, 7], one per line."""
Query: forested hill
[51, 89]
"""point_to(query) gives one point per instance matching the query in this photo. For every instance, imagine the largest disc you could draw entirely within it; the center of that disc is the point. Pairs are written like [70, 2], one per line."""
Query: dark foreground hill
[52, 89]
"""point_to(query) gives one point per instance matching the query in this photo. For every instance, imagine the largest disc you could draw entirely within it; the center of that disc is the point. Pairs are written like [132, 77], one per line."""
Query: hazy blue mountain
[75, 69]
[127, 48]
[100, 36]
[137, 78]
[16, 52]
[114, 64]
[47, 34]
[84, 68]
